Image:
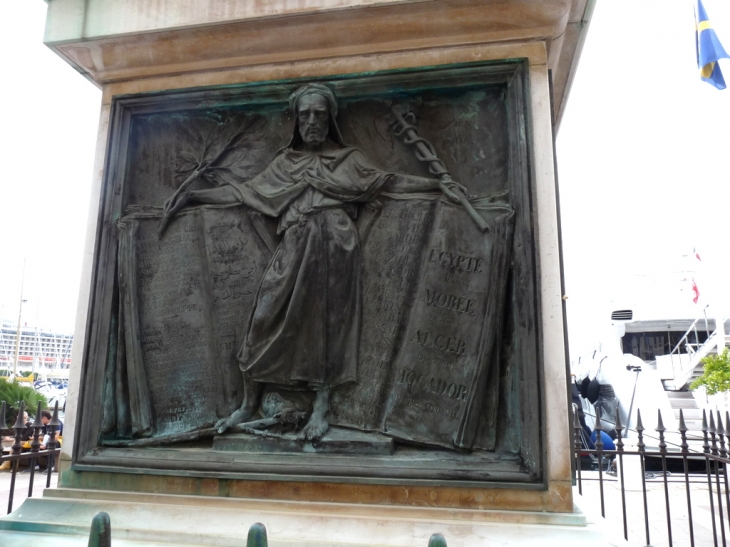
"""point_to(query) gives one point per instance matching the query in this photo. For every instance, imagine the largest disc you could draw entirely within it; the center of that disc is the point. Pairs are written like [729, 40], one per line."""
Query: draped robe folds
[304, 326]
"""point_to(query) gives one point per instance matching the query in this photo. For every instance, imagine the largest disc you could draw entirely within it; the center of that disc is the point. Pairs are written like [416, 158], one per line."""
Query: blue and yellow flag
[709, 49]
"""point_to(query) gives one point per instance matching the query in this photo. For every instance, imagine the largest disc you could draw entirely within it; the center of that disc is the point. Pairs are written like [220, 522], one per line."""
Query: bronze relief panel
[332, 277]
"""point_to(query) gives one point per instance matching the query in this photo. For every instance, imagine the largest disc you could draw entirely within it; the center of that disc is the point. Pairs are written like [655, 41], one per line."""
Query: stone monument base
[61, 518]
[336, 441]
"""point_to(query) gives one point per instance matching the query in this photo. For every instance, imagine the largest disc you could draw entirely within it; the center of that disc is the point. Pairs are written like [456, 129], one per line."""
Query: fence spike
[721, 435]
[19, 423]
[37, 426]
[598, 427]
[257, 536]
[19, 427]
[37, 417]
[713, 435]
[661, 429]
[576, 432]
[617, 424]
[727, 426]
[640, 430]
[705, 436]
[437, 540]
[619, 430]
[683, 432]
[682, 426]
[54, 419]
[51, 444]
[101, 531]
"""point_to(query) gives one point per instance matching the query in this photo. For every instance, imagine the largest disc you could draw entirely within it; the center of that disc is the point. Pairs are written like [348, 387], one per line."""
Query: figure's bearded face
[313, 120]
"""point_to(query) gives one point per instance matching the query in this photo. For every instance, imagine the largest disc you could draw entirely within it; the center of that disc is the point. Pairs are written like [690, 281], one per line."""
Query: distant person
[576, 399]
[606, 439]
[6, 442]
[46, 417]
[27, 432]
[25, 437]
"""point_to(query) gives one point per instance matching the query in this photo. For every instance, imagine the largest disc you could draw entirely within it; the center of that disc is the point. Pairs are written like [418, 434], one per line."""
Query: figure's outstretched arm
[407, 184]
[410, 184]
[222, 195]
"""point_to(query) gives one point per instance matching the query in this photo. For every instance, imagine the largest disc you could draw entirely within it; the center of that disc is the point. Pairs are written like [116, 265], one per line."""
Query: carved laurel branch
[218, 151]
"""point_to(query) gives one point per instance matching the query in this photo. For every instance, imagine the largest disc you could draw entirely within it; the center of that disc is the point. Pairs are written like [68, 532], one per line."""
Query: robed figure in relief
[304, 326]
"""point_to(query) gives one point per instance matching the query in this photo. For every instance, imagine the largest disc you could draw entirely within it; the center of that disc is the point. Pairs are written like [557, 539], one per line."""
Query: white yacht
[649, 364]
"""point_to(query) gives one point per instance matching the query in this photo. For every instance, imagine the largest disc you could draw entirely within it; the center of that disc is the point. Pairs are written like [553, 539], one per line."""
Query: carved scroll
[444, 359]
[185, 299]
[433, 294]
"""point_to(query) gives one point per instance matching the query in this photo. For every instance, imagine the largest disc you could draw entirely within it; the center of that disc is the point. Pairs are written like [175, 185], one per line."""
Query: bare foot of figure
[317, 425]
[251, 391]
[315, 429]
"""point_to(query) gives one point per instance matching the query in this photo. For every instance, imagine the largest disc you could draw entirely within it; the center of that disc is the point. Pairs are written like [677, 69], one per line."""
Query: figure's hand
[452, 189]
[170, 209]
[175, 203]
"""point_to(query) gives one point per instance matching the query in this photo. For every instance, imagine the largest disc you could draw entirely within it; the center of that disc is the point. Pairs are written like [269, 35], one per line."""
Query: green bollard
[437, 540]
[101, 531]
[257, 536]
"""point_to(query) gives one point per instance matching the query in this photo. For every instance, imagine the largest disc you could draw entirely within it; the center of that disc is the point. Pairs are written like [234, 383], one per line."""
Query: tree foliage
[716, 376]
[13, 393]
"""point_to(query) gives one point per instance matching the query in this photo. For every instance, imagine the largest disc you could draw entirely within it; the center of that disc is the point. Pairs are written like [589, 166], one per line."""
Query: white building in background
[40, 350]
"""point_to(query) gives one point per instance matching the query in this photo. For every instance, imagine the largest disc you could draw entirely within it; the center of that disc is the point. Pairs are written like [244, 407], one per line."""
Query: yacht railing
[696, 350]
[689, 346]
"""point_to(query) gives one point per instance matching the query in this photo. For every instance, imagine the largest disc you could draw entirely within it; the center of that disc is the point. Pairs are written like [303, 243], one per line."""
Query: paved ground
[656, 503]
[21, 488]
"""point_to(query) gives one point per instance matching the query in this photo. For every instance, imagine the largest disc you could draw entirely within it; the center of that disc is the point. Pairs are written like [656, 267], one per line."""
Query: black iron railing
[31, 456]
[701, 474]
[697, 470]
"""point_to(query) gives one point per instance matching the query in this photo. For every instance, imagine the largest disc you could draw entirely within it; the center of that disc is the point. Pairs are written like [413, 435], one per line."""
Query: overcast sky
[643, 165]
[48, 122]
[642, 155]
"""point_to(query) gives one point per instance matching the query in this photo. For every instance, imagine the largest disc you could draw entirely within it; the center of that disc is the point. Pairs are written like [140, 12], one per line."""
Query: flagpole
[716, 309]
[17, 332]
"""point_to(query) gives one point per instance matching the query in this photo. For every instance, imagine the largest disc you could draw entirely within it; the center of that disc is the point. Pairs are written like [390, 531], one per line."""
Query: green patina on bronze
[166, 378]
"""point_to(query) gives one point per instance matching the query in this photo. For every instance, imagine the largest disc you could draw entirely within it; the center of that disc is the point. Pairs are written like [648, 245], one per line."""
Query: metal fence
[700, 475]
[18, 456]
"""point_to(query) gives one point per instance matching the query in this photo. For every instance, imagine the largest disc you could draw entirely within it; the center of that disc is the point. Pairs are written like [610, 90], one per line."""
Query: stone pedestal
[188, 495]
[149, 519]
